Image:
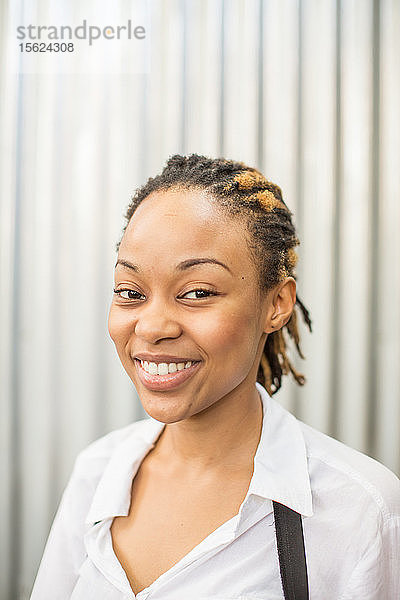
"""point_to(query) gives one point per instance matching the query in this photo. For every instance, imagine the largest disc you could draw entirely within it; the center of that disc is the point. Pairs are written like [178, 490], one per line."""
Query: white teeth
[164, 368]
[153, 368]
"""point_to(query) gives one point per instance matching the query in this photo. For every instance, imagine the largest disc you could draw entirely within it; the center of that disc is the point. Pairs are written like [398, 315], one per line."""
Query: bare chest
[168, 518]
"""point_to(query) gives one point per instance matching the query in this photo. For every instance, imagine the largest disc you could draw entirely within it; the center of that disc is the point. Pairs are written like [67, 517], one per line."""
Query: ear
[282, 299]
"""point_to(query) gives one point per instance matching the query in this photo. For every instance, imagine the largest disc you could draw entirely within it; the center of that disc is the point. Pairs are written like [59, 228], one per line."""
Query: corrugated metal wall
[309, 92]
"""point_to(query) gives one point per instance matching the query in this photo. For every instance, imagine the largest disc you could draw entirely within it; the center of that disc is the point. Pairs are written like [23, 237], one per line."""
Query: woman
[183, 504]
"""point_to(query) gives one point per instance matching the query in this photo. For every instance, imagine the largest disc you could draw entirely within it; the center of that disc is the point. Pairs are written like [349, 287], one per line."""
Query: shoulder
[355, 521]
[338, 468]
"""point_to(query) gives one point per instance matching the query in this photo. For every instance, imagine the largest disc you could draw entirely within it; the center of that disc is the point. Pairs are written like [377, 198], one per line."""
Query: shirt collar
[113, 493]
[280, 464]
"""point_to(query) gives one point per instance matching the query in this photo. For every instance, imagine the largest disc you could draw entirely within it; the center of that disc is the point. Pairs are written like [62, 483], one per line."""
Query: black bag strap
[291, 552]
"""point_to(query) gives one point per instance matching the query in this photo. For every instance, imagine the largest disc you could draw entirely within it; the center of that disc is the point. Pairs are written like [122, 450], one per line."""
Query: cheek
[230, 334]
[118, 324]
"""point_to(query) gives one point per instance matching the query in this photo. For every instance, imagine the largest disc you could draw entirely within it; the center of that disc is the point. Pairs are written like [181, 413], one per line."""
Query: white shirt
[350, 506]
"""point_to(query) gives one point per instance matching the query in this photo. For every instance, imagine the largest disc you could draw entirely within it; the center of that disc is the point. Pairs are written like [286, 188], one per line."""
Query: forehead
[184, 223]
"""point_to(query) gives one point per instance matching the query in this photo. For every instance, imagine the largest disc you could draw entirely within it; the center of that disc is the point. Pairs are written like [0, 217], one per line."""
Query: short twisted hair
[245, 193]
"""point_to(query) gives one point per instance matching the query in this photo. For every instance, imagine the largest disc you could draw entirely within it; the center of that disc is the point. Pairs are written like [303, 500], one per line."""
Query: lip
[163, 383]
[159, 358]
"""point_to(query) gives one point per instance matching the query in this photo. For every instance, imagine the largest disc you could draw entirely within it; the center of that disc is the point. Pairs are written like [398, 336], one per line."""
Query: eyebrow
[182, 266]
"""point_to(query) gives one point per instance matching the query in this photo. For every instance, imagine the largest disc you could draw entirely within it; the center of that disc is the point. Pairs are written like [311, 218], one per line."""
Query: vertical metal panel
[280, 82]
[388, 276]
[8, 418]
[374, 241]
[203, 76]
[308, 92]
[316, 155]
[353, 322]
[241, 76]
[165, 97]
[334, 338]
[36, 360]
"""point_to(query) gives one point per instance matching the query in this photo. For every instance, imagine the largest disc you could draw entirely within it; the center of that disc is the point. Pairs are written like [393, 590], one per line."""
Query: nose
[156, 322]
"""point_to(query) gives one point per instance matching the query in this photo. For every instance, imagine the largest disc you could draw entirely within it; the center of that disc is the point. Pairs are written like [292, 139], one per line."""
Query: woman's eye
[130, 294]
[199, 293]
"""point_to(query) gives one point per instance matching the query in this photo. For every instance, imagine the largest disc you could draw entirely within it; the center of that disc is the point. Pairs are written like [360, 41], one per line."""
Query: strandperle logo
[81, 32]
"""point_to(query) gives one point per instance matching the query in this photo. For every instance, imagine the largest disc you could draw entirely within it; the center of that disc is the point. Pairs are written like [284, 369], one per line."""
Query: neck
[223, 436]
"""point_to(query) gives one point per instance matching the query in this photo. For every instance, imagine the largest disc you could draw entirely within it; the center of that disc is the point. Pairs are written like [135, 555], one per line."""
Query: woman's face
[177, 242]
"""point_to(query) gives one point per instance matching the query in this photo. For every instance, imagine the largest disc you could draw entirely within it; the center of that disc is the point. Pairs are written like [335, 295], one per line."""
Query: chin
[164, 408]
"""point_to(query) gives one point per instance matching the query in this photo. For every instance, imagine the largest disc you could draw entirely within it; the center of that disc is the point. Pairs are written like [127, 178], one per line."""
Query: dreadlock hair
[244, 192]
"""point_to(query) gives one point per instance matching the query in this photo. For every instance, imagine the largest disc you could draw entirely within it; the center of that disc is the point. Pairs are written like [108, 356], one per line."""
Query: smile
[164, 368]
[165, 376]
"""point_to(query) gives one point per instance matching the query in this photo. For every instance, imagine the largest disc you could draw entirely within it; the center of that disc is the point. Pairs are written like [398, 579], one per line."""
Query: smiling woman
[188, 502]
